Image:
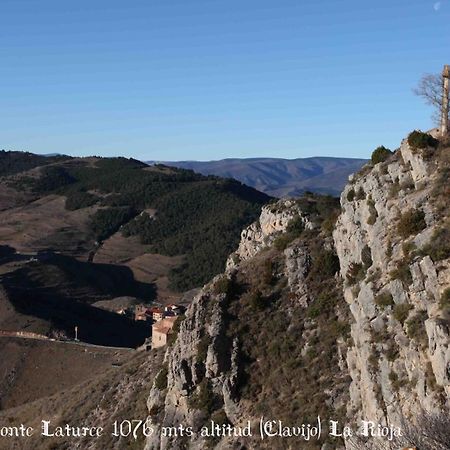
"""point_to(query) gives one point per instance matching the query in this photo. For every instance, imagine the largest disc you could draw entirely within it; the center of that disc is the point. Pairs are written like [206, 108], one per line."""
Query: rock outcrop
[273, 220]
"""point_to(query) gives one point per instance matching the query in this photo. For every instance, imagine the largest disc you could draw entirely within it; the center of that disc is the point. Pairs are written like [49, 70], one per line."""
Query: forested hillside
[173, 211]
[15, 162]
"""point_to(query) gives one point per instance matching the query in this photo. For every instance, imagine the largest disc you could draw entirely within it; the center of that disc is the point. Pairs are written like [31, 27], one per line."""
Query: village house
[156, 313]
[161, 331]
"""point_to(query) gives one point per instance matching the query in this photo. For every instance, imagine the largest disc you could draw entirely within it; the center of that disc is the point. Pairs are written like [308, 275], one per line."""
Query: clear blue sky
[191, 79]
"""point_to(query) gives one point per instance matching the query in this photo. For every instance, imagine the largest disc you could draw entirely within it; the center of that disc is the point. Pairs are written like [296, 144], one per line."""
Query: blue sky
[191, 79]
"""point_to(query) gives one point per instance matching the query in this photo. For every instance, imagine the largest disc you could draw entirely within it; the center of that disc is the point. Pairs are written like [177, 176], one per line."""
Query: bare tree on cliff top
[434, 88]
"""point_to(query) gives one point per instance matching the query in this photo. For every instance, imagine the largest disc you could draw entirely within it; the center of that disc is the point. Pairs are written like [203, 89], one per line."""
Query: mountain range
[281, 177]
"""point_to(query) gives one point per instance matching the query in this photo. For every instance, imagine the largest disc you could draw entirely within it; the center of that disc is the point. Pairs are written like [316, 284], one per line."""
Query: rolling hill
[281, 177]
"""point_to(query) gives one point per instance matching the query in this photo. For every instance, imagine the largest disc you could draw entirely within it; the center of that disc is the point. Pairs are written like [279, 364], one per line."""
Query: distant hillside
[282, 177]
[172, 211]
[15, 162]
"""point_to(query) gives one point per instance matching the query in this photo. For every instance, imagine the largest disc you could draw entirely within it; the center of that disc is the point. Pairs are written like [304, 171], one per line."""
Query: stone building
[161, 331]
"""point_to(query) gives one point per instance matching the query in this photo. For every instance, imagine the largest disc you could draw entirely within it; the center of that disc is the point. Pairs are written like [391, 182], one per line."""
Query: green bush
[295, 226]
[351, 195]
[380, 154]
[401, 312]
[225, 285]
[411, 222]
[418, 139]
[384, 299]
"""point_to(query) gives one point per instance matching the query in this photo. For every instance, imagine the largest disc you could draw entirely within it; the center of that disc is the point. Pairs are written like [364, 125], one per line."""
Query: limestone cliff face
[392, 272]
[205, 360]
[400, 361]
[273, 220]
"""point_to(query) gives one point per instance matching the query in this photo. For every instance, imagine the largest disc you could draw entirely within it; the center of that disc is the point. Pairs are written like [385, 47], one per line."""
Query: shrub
[394, 189]
[161, 378]
[396, 381]
[384, 300]
[204, 399]
[409, 249]
[325, 264]
[366, 257]
[373, 214]
[402, 272]
[351, 195]
[256, 300]
[175, 330]
[225, 285]
[323, 303]
[360, 195]
[392, 351]
[418, 139]
[282, 241]
[267, 276]
[329, 223]
[295, 226]
[380, 154]
[415, 327]
[411, 222]
[356, 272]
[401, 312]
[444, 302]
[293, 231]
[202, 348]
[220, 417]
[439, 246]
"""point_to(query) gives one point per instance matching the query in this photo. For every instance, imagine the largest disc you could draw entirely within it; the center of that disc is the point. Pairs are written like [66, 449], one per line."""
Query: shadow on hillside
[60, 290]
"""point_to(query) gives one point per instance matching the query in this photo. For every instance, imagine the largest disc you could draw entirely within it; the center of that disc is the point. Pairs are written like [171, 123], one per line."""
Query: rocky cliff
[338, 313]
[392, 239]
